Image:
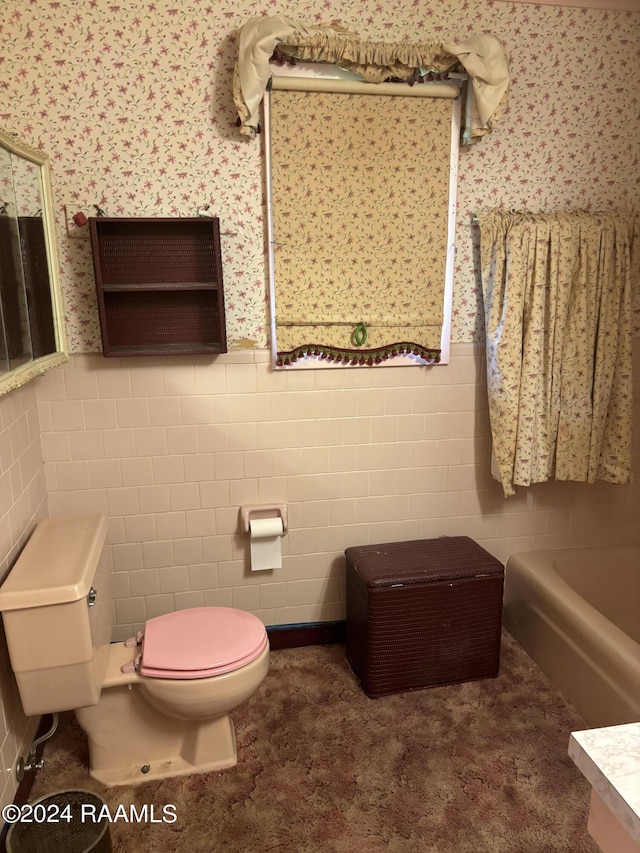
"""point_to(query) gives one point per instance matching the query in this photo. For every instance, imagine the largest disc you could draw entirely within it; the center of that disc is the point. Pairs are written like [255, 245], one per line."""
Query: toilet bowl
[154, 707]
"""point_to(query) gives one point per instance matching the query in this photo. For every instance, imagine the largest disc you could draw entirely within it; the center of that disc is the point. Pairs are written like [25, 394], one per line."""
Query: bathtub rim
[538, 599]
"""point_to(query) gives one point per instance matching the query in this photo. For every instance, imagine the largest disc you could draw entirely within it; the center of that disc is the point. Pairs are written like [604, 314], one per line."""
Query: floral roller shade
[360, 187]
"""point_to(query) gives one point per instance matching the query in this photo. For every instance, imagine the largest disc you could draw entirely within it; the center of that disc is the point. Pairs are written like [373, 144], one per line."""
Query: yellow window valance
[481, 56]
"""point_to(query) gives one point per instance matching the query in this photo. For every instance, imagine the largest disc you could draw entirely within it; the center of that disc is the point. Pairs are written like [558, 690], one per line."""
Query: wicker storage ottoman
[423, 613]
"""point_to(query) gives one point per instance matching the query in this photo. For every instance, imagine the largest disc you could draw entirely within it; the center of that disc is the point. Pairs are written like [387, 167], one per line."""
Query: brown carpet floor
[476, 767]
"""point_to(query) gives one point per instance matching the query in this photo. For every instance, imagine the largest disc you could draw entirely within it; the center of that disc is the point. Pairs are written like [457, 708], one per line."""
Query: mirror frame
[19, 376]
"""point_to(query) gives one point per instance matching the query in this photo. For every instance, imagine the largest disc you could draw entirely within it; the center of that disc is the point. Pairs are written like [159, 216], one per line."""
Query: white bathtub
[576, 611]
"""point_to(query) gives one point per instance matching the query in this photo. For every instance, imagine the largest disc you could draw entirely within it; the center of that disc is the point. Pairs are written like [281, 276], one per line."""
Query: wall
[23, 502]
[134, 105]
[170, 452]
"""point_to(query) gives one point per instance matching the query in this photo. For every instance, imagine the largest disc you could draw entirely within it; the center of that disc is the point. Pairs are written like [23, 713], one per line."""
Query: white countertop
[610, 759]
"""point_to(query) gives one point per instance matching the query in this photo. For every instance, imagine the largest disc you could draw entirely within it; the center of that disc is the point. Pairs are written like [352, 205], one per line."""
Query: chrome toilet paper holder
[267, 511]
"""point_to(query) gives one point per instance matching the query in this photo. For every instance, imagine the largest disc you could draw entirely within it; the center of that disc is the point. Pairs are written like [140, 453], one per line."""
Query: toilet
[155, 706]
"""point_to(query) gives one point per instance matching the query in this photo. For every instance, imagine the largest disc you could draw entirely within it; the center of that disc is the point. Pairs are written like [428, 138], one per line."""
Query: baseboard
[306, 634]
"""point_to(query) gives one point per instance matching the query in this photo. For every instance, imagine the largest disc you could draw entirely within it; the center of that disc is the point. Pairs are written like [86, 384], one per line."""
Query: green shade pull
[359, 335]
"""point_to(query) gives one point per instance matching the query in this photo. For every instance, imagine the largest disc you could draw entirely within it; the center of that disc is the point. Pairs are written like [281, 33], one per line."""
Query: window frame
[310, 72]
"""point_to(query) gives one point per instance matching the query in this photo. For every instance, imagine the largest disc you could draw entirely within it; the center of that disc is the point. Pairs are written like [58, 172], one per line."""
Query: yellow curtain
[557, 304]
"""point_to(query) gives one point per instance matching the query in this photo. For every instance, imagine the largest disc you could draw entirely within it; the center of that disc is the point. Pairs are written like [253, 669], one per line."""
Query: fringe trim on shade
[367, 357]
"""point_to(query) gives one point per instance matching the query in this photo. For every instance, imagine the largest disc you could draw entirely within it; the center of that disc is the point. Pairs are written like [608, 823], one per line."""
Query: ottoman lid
[420, 560]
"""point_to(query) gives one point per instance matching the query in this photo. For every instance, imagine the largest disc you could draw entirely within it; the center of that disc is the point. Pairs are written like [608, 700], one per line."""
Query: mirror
[32, 336]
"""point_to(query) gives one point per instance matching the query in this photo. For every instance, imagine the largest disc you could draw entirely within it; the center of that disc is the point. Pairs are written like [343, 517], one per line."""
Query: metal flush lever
[91, 597]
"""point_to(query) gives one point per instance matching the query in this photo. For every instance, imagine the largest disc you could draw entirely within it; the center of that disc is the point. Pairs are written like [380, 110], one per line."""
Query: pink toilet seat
[201, 642]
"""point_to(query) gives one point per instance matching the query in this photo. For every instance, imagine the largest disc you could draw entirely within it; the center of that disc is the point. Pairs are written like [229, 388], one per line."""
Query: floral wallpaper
[133, 104]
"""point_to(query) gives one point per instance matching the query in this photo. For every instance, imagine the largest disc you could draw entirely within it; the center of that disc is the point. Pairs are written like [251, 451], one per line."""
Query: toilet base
[131, 743]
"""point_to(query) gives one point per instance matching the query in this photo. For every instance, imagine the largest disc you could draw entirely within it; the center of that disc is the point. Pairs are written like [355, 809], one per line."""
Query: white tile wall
[171, 449]
[23, 502]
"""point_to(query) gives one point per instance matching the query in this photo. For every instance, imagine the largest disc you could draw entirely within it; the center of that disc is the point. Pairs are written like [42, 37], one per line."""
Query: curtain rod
[449, 90]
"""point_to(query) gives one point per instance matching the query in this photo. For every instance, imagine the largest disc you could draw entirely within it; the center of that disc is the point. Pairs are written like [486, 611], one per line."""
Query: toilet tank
[58, 614]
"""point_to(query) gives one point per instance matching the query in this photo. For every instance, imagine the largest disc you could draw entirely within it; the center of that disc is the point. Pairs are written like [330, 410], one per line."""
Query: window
[361, 192]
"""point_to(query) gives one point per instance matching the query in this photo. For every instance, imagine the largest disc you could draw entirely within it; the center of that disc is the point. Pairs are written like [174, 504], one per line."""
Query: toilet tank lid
[58, 563]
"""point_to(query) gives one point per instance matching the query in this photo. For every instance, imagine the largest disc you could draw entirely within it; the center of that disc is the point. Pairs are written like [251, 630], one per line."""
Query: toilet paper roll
[266, 542]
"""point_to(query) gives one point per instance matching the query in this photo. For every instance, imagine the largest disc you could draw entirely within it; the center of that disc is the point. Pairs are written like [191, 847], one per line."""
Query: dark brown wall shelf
[159, 285]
